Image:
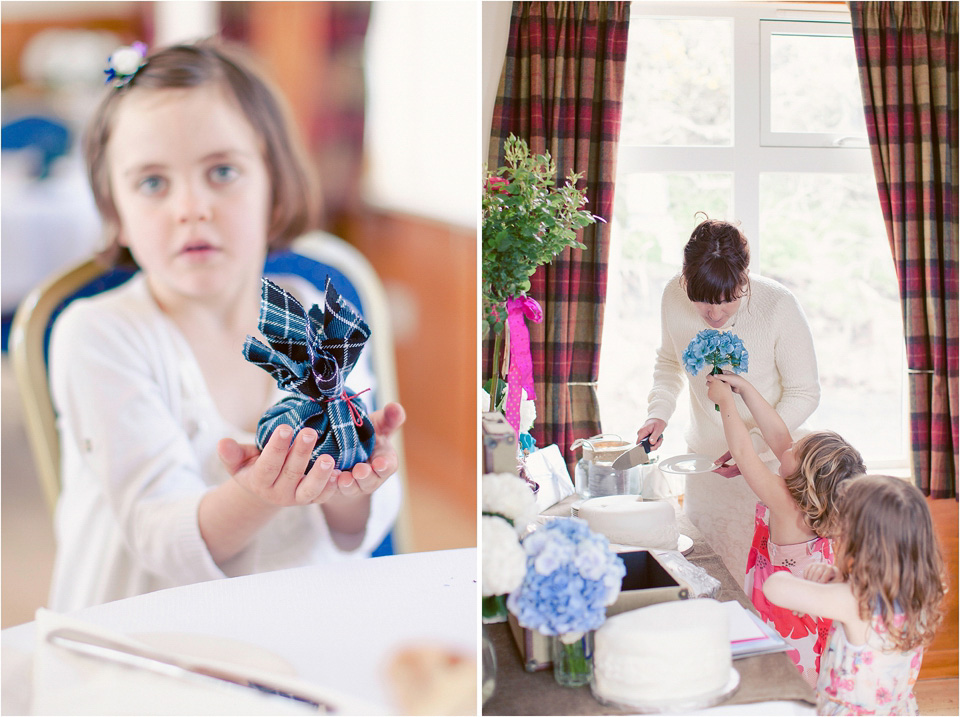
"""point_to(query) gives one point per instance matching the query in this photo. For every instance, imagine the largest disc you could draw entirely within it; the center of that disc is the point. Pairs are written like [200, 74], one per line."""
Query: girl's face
[789, 462]
[192, 192]
[717, 315]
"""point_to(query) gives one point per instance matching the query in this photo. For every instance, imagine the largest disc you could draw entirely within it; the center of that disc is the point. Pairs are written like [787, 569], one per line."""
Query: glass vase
[494, 608]
[489, 661]
[573, 658]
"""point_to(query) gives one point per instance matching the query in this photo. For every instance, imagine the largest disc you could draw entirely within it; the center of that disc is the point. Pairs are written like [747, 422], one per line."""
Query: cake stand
[674, 706]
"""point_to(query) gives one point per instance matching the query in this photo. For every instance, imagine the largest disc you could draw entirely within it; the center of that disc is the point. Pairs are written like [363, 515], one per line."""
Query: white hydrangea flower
[528, 412]
[509, 495]
[504, 561]
[126, 60]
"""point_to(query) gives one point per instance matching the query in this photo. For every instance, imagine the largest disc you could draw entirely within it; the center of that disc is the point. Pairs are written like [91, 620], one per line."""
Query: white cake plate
[675, 706]
[684, 545]
[688, 464]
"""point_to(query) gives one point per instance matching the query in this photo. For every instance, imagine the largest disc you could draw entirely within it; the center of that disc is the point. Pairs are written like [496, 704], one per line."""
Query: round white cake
[630, 520]
[670, 653]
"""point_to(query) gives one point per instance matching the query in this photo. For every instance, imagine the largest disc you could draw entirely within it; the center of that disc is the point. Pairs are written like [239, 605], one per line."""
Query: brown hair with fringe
[716, 259]
[888, 553]
[206, 63]
[824, 460]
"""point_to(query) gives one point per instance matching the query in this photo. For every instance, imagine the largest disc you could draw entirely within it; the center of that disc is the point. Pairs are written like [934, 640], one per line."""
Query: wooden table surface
[763, 678]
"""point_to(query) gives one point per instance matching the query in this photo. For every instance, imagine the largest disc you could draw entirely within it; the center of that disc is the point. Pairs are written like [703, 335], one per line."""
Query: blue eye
[224, 173]
[151, 185]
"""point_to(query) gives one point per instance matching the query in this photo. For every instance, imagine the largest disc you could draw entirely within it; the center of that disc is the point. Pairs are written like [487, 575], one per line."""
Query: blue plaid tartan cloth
[310, 355]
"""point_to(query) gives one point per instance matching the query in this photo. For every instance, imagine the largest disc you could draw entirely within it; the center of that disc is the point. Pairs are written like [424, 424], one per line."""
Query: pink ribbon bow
[520, 375]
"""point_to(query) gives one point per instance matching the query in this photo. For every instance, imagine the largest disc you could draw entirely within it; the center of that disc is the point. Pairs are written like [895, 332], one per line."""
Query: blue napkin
[310, 355]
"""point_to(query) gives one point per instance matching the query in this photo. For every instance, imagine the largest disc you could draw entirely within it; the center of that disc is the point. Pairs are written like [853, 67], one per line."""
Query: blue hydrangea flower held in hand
[716, 348]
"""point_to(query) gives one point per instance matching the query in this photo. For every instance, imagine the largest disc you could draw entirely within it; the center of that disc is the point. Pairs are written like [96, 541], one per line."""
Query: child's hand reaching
[822, 573]
[735, 382]
[718, 390]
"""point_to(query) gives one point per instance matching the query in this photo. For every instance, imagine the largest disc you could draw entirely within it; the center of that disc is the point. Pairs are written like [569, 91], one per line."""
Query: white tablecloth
[337, 624]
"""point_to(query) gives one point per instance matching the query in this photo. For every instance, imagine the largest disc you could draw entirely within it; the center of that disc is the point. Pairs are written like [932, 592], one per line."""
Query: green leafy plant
[527, 221]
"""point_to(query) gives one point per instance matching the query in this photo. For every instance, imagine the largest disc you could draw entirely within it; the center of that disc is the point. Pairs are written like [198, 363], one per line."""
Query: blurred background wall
[385, 95]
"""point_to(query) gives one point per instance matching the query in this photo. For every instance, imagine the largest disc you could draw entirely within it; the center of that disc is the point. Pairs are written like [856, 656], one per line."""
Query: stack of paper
[749, 635]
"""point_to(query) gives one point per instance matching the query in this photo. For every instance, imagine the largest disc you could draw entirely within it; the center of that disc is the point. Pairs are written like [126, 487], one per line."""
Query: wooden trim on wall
[940, 659]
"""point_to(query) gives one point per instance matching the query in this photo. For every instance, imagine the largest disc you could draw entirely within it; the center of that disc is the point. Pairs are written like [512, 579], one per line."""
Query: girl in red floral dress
[796, 512]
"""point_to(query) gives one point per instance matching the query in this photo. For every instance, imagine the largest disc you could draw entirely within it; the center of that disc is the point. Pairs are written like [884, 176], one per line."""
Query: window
[779, 146]
[810, 89]
[421, 126]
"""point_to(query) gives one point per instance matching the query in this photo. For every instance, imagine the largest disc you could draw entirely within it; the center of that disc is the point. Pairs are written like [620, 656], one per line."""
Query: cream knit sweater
[782, 366]
[782, 363]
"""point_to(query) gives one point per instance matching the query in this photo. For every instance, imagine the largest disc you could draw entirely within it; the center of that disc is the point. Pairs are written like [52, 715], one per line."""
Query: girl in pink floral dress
[795, 512]
[884, 609]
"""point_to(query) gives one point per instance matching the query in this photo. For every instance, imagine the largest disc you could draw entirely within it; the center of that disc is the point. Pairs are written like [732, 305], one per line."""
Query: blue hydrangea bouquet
[572, 575]
[717, 348]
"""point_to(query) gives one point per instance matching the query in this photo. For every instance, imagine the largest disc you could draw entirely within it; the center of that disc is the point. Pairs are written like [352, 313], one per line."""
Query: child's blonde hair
[210, 62]
[824, 459]
[888, 553]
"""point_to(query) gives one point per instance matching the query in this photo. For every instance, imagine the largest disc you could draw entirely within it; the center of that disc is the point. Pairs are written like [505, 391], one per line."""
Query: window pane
[814, 85]
[679, 82]
[652, 220]
[822, 236]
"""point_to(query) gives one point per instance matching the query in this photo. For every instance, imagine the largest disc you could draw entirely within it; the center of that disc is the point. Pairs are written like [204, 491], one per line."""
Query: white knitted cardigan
[782, 363]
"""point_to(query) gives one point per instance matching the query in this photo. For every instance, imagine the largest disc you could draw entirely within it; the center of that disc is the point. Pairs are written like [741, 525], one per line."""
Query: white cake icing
[671, 652]
[630, 520]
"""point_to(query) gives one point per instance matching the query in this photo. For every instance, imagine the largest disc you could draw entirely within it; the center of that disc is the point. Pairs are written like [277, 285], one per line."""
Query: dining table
[769, 683]
[337, 625]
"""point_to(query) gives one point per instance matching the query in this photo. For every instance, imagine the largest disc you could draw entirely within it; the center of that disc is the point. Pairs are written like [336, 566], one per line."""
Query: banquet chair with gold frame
[312, 257]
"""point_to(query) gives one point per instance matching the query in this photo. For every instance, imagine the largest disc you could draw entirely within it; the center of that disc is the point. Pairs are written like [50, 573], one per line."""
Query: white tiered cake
[630, 520]
[672, 653]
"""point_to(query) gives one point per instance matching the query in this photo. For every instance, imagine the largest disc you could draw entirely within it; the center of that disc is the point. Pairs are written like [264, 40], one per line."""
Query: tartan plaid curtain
[561, 91]
[907, 54]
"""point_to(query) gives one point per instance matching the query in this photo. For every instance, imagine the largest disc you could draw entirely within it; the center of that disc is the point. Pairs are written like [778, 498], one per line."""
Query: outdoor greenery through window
[696, 136]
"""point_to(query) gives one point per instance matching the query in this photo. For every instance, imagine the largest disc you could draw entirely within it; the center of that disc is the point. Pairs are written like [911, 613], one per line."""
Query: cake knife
[638, 455]
[162, 663]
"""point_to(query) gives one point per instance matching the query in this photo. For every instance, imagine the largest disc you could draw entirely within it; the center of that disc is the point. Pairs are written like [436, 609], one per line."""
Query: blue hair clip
[125, 63]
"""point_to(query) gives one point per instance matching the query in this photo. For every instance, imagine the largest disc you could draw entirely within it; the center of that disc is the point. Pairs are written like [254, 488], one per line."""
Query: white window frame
[808, 28]
[749, 157]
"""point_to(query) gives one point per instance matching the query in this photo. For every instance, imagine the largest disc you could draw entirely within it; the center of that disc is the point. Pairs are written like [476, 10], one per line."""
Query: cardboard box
[499, 444]
[646, 582]
[536, 649]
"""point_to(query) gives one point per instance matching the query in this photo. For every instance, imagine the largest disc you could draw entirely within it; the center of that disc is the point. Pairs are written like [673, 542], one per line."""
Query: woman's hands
[723, 468]
[278, 475]
[654, 429]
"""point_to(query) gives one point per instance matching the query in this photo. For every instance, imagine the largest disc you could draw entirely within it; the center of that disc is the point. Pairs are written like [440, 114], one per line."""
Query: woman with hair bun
[714, 290]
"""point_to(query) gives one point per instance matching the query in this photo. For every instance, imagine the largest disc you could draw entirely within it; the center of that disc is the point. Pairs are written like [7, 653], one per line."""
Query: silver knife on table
[162, 663]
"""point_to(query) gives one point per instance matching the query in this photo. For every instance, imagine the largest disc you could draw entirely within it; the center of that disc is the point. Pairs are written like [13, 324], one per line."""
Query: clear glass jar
[489, 662]
[594, 474]
[573, 658]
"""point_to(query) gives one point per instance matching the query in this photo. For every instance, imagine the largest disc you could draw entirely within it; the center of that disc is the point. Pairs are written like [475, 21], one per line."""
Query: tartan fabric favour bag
[310, 355]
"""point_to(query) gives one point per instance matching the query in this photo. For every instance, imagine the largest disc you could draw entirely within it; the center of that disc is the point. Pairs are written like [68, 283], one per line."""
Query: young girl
[883, 595]
[196, 174]
[796, 511]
